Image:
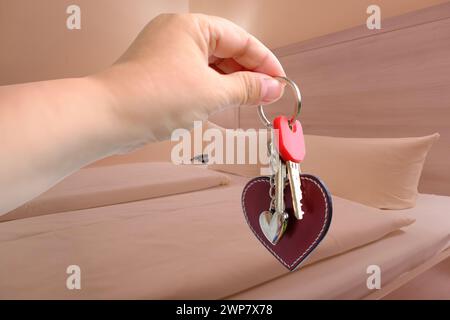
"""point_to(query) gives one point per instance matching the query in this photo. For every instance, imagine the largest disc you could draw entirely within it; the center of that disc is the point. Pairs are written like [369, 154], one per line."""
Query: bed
[194, 243]
[185, 237]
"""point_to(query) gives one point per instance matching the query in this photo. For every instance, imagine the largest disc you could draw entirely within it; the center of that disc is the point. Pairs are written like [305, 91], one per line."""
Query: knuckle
[250, 89]
[183, 18]
[175, 18]
[163, 17]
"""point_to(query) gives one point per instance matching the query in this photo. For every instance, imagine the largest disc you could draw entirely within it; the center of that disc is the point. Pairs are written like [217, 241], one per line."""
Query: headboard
[393, 82]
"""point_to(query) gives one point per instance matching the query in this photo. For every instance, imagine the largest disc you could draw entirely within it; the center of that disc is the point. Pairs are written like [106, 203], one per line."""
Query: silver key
[280, 215]
[273, 223]
[280, 176]
[293, 169]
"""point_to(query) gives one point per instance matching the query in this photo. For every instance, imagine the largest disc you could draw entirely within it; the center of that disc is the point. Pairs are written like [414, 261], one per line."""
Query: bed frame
[393, 82]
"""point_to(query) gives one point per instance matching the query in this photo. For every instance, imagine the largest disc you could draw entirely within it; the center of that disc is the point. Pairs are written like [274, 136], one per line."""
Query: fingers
[228, 66]
[247, 64]
[227, 40]
[247, 88]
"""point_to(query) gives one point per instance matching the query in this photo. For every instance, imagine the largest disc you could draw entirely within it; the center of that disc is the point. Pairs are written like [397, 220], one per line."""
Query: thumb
[251, 88]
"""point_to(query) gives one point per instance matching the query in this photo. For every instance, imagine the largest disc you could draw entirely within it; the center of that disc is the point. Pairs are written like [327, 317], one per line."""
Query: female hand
[183, 68]
[180, 68]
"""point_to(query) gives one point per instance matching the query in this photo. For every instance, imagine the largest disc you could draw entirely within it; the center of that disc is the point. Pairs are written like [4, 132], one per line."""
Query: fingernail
[271, 90]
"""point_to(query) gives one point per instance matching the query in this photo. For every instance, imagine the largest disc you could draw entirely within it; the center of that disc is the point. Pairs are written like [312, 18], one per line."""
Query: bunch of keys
[289, 226]
[287, 137]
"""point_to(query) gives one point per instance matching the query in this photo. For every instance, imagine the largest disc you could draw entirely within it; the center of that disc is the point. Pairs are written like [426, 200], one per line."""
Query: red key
[291, 143]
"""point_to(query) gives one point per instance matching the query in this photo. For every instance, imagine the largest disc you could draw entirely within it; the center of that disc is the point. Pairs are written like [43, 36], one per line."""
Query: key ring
[298, 104]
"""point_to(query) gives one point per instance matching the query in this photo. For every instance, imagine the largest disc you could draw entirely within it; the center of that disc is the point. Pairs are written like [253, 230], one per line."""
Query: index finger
[227, 40]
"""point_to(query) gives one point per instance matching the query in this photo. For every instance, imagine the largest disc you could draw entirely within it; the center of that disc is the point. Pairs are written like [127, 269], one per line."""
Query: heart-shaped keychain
[290, 219]
[301, 236]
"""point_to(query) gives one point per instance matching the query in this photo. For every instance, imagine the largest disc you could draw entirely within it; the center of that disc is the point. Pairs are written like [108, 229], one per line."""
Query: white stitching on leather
[267, 247]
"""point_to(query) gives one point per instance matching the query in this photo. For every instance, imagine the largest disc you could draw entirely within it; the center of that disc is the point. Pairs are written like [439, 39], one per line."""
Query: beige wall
[281, 22]
[35, 43]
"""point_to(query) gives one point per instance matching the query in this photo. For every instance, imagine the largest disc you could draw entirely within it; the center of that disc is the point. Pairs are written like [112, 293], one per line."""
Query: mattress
[149, 250]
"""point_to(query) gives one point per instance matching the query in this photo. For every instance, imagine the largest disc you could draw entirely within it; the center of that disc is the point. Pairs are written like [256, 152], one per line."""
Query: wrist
[94, 117]
[126, 94]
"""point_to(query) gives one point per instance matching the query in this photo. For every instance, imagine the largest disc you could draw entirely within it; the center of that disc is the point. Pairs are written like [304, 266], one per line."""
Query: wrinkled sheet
[345, 276]
[192, 245]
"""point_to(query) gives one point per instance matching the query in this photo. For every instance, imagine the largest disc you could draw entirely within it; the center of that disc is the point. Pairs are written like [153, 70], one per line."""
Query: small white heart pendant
[273, 225]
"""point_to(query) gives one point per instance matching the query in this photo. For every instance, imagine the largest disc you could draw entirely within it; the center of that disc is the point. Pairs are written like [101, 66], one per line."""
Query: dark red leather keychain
[289, 219]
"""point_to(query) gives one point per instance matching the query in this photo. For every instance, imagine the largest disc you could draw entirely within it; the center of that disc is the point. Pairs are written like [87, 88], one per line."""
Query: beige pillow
[152, 152]
[109, 185]
[379, 172]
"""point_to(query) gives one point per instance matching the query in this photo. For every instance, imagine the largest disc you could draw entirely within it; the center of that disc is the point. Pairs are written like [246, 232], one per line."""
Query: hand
[180, 68]
[183, 68]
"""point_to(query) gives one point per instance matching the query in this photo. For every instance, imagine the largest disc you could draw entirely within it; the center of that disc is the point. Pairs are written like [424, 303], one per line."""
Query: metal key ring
[298, 104]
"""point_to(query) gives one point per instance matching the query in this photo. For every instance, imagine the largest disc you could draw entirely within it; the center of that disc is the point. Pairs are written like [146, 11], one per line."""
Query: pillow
[379, 172]
[156, 151]
[108, 185]
[152, 152]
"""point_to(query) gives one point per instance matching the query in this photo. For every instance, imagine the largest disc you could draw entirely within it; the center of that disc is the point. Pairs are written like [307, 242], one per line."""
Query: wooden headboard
[393, 82]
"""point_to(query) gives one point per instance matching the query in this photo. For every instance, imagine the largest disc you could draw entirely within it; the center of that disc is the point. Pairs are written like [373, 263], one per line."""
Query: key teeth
[302, 212]
[301, 200]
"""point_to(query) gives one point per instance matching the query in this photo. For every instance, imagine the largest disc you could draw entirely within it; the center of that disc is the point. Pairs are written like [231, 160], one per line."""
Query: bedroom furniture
[192, 242]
